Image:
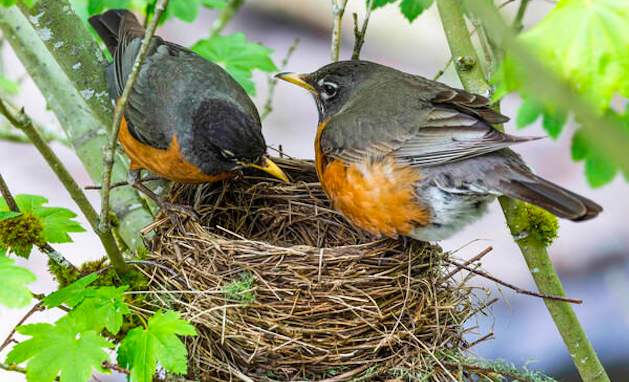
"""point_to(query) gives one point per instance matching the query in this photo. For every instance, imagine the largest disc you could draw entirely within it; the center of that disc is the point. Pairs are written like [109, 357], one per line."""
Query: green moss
[541, 225]
[21, 233]
[241, 289]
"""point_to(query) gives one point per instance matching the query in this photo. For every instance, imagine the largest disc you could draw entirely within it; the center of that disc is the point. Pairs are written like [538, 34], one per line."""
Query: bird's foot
[175, 212]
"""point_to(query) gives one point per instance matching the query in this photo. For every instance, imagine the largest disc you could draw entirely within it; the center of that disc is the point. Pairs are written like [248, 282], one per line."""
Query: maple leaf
[73, 294]
[13, 292]
[105, 308]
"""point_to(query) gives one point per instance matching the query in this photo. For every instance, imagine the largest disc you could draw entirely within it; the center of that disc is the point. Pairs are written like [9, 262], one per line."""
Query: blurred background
[592, 257]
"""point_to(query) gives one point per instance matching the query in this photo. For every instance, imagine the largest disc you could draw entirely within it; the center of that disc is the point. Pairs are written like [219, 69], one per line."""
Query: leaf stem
[108, 160]
[225, 16]
[338, 9]
[534, 251]
[46, 248]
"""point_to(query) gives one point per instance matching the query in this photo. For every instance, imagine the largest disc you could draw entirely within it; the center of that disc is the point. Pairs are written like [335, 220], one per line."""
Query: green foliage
[143, 347]
[186, 10]
[241, 289]
[8, 86]
[105, 308]
[237, 56]
[36, 226]
[73, 294]
[8, 3]
[411, 9]
[66, 348]
[588, 49]
[14, 293]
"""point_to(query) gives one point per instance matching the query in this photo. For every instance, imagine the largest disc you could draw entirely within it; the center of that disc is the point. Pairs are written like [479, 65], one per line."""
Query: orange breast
[376, 196]
[168, 163]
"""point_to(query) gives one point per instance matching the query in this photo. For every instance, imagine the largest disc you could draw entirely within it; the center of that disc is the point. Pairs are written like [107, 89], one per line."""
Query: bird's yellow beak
[298, 79]
[269, 167]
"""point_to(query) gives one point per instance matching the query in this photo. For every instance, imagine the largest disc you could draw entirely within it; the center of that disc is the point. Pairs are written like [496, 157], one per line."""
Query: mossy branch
[23, 122]
[86, 132]
[533, 249]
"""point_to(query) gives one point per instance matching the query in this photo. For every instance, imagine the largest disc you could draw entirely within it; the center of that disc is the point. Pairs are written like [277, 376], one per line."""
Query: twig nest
[281, 287]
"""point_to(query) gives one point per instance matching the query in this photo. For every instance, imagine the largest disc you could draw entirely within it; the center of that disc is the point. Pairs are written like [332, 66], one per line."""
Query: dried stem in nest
[283, 284]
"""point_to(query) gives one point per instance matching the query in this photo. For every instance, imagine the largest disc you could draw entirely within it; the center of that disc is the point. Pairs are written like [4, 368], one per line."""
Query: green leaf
[237, 56]
[528, 113]
[14, 293]
[380, 3]
[411, 9]
[586, 42]
[8, 86]
[28, 203]
[97, 6]
[73, 294]
[28, 3]
[57, 222]
[217, 4]
[63, 349]
[8, 214]
[186, 10]
[142, 347]
[599, 171]
[580, 147]
[554, 120]
[8, 3]
[104, 309]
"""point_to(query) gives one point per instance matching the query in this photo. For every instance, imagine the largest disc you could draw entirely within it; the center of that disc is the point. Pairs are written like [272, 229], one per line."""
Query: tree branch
[108, 160]
[338, 9]
[534, 251]
[24, 123]
[268, 106]
[86, 133]
[46, 248]
[359, 35]
[225, 16]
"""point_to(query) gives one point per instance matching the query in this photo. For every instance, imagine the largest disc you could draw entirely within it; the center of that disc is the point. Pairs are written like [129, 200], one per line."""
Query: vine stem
[105, 225]
[24, 123]
[338, 9]
[46, 248]
[534, 251]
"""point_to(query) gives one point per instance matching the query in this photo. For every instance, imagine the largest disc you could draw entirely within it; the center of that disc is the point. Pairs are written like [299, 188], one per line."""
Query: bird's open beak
[269, 167]
[298, 79]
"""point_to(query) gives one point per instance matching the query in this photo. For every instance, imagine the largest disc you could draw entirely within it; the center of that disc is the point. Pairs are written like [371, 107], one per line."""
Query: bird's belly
[376, 196]
[168, 163]
[450, 212]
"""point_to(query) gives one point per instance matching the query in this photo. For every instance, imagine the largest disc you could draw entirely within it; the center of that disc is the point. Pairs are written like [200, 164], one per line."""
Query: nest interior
[281, 287]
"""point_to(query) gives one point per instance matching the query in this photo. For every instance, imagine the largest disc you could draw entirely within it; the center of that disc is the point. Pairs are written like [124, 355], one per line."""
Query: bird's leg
[170, 209]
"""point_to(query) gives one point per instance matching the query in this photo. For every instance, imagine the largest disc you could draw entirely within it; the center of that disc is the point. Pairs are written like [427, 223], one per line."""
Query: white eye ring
[329, 90]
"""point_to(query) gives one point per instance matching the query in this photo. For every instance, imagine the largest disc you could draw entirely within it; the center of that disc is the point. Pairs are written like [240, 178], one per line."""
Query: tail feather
[551, 197]
[115, 25]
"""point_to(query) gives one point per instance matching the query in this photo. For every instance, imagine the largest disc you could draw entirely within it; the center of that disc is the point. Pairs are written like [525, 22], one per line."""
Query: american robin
[399, 154]
[187, 119]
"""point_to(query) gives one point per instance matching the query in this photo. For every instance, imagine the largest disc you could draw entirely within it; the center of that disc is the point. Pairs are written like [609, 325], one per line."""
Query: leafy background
[595, 270]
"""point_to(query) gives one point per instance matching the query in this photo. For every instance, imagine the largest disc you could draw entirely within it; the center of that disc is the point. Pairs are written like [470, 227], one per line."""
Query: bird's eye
[329, 89]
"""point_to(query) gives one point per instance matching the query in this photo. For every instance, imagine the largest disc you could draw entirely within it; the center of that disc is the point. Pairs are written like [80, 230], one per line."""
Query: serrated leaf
[142, 347]
[28, 203]
[528, 113]
[237, 56]
[554, 121]
[97, 6]
[14, 293]
[105, 308]
[73, 294]
[63, 350]
[380, 3]
[411, 9]
[8, 214]
[57, 222]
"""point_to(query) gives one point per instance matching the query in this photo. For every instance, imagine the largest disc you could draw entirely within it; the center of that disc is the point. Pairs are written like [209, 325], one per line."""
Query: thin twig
[511, 286]
[105, 225]
[124, 183]
[519, 17]
[114, 367]
[338, 9]
[24, 123]
[360, 35]
[36, 308]
[468, 262]
[225, 16]
[46, 248]
[268, 106]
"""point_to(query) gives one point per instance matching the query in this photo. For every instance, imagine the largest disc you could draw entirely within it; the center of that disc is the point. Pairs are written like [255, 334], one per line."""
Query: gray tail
[551, 197]
[113, 25]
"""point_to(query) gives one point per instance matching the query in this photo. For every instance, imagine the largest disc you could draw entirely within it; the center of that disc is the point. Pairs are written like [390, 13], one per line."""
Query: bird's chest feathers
[376, 196]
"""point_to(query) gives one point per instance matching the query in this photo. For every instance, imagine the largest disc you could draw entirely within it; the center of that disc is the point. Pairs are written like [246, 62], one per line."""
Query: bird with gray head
[399, 154]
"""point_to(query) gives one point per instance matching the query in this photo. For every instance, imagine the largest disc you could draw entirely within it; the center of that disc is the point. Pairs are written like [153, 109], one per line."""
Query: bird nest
[280, 287]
